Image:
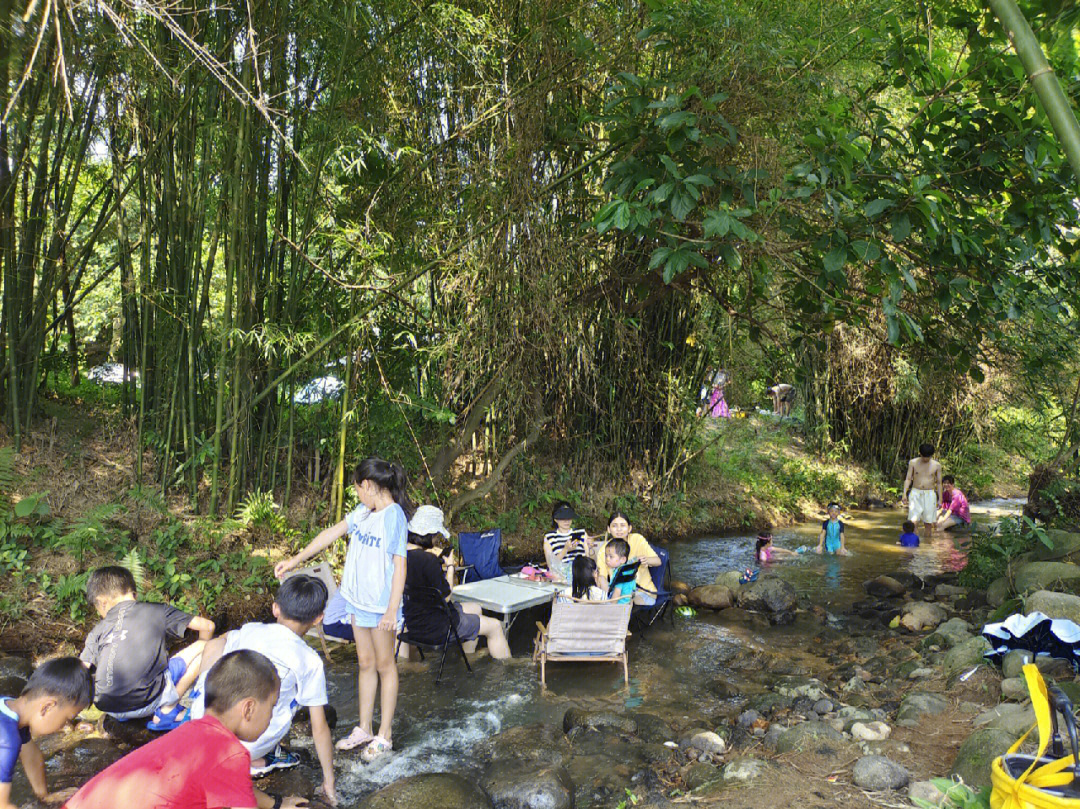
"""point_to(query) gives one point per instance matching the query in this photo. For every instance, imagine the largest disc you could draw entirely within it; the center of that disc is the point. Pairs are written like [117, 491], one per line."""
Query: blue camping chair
[646, 615]
[480, 554]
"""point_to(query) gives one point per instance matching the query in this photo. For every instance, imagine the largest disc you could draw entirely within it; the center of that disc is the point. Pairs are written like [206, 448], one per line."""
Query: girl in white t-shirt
[372, 587]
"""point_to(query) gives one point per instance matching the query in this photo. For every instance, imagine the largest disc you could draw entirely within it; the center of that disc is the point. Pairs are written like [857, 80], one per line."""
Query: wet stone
[748, 718]
[444, 790]
[512, 787]
[536, 745]
[577, 719]
[808, 736]
[15, 666]
[11, 686]
[700, 774]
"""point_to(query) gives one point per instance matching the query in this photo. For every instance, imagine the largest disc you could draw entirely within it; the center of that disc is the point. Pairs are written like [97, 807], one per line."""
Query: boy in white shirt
[298, 606]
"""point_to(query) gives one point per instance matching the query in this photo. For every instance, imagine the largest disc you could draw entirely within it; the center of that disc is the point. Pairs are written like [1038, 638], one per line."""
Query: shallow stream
[674, 667]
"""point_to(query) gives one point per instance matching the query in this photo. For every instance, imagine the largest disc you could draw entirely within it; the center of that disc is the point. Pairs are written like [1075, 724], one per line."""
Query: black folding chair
[431, 598]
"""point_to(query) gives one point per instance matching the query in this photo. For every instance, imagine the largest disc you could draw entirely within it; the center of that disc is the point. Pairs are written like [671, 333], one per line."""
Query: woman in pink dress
[717, 407]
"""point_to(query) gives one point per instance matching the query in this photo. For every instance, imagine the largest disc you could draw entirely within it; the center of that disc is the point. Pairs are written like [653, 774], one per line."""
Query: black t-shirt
[128, 648]
[424, 619]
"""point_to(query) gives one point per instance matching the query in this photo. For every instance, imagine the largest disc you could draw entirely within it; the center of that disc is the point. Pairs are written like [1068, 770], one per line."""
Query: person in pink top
[954, 506]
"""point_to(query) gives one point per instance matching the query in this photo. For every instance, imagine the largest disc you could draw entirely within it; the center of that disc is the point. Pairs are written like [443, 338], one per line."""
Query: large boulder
[768, 595]
[514, 787]
[877, 774]
[967, 655]
[978, 750]
[919, 615]
[1011, 717]
[808, 736]
[1054, 605]
[711, 597]
[1066, 546]
[1046, 576]
[531, 746]
[442, 789]
[15, 666]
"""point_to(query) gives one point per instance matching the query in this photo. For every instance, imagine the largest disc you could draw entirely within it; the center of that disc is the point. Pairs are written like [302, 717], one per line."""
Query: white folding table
[508, 595]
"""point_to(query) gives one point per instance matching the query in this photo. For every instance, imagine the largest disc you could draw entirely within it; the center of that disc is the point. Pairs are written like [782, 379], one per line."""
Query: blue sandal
[167, 721]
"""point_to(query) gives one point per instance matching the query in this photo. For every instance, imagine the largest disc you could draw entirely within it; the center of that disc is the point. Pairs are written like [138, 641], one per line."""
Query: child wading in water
[766, 552]
[832, 533]
[372, 587]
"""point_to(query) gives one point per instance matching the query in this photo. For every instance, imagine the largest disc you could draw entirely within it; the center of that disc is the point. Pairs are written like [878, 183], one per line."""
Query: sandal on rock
[358, 738]
[167, 720]
[376, 748]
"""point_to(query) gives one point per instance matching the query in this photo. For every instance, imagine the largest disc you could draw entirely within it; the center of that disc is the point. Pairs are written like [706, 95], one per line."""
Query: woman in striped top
[565, 543]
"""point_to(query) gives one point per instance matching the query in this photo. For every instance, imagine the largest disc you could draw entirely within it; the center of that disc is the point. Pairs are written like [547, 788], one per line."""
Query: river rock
[823, 706]
[747, 718]
[442, 789]
[679, 587]
[769, 702]
[920, 615]
[808, 736]
[870, 731]
[11, 686]
[884, 587]
[536, 745]
[712, 597]
[950, 591]
[651, 728]
[1035, 576]
[578, 719]
[917, 705]
[1054, 668]
[1054, 605]
[1066, 545]
[953, 632]
[513, 787]
[922, 792]
[699, 774]
[963, 657]
[772, 735]
[1014, 719]
[745, 769]
[978, 750]
[708, 742]
[1012, 664]
[796, 687]
[877, 774]
[998, 591]
[730, 579]
[15, 666]
[1014, 688]
[768, 595]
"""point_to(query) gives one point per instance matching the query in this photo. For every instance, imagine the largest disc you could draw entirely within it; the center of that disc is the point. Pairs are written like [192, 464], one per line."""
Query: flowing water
[437, 725]
[671, 666]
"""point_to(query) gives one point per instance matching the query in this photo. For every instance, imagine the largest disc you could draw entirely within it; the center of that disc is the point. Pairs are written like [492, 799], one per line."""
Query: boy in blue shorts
[832, 533]
[55, 693]
[134, 676]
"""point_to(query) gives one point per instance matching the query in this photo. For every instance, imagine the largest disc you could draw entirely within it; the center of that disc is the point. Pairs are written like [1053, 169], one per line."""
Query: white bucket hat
[428, 520]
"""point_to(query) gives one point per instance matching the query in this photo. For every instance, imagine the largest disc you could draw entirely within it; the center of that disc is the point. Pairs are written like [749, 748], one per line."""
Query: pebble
[919, 674]
[1014, 688]
[870, 731]
[747, 718]
[708, 742]
[823, 706]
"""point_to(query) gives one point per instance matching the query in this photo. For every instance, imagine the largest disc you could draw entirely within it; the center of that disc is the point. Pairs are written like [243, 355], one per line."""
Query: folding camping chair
[584, 632]
[622, 575]
[480, 555]
[647, 614]
[322, 572]
[432, 599]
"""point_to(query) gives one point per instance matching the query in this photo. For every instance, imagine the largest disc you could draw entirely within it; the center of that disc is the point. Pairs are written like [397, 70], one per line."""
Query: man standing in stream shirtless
[922, 489]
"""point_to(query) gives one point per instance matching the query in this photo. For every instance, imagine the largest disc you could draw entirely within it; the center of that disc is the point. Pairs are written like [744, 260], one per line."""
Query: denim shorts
[168, 695]
[368, 620]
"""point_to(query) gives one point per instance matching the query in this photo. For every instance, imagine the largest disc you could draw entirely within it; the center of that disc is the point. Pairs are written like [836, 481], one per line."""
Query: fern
[259, 510]
[133, 564]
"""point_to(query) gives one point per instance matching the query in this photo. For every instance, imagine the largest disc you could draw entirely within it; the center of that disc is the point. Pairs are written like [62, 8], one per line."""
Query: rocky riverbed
[764, 698]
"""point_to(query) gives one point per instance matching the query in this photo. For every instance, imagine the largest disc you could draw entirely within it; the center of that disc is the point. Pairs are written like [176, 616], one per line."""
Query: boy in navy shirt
[55, 693]
[909, 539]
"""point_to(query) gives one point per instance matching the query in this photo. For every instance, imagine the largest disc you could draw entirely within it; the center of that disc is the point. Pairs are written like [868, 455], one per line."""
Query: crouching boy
[56, 691]
[298, 606]
[134, 676]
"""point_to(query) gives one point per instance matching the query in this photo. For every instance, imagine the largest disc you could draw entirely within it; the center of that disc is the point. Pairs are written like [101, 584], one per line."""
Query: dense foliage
[503, 224]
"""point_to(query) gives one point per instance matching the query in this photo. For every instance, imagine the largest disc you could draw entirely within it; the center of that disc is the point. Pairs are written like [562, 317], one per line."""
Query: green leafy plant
[133, 564]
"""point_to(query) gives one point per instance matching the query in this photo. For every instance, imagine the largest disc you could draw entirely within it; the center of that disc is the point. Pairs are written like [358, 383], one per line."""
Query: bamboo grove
[504, 223]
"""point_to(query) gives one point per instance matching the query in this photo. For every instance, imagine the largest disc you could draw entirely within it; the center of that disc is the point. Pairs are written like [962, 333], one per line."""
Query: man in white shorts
[922, 489]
